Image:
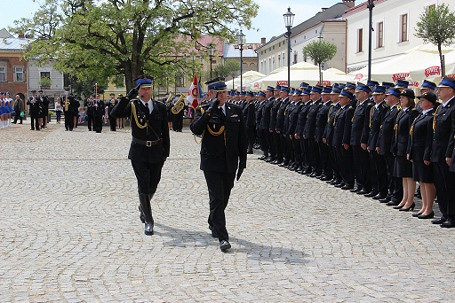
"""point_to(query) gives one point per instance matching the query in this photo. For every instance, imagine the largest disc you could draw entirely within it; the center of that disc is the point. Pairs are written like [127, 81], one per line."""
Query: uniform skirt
[422, 172]
[402, 168]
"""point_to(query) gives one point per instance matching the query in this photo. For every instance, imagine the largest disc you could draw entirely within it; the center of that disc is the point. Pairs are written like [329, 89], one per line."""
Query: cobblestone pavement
[70, 232]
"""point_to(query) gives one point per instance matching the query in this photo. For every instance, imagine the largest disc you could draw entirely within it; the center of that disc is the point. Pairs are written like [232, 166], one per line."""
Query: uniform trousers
[148, 175]
[69, 121]
[34, 121]
[324, 158]
[444, 180]
[90, 121]
[361, 167]
[219, 185]
[344, 157]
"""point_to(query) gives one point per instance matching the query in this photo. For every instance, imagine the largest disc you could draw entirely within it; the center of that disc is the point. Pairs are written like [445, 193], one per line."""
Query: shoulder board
[350, 106]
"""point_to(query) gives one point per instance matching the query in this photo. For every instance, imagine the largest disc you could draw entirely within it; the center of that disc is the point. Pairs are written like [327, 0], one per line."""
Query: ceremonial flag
[193, 93]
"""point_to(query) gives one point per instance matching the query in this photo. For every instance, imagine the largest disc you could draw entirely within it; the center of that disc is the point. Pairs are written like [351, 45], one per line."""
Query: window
[380, 38]
[360, 40]
[2, 73]
[44, 83]
[295, 58]
[279, 60]
[404, 28]
[19, 74]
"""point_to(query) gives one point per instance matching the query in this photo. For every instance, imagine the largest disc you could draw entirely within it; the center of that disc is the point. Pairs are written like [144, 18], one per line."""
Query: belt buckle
[148, 143]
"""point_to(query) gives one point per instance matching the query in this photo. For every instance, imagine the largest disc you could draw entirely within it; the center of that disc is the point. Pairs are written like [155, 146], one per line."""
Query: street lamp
[241, 41]
[370, 7]
[211, 51]
[321, 81]
[288, 20]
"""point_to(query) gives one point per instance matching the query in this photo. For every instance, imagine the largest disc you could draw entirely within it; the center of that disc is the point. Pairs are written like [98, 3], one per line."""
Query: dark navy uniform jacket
[221, 151]
[157, 131]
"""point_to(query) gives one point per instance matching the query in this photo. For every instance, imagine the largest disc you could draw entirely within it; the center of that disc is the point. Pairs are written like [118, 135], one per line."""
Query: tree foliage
[229, 68]
[320, 51]
[436, 26]
[98, 39]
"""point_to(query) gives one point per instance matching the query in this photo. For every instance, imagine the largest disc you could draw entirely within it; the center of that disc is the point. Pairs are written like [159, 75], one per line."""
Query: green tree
[92, 39]
[320, 51]
[436, 26]
[229, 68]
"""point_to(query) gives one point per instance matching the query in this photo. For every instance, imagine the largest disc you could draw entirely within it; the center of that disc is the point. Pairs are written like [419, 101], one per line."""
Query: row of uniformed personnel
[361, 138]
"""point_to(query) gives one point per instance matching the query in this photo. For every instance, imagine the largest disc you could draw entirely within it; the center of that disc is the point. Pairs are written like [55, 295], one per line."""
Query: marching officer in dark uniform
[223, 151]
[34, 111]
[150, 143]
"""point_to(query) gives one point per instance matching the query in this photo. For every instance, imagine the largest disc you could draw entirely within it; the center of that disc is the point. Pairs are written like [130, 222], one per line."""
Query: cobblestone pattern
[70, 232]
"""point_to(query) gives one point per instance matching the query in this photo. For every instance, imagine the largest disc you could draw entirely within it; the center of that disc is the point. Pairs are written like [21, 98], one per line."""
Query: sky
[268, 23]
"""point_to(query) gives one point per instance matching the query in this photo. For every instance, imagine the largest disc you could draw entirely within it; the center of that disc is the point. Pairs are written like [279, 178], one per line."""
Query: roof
[360, 7]
[14, 44]
[336, 11]
[5, 34]
[233, 51]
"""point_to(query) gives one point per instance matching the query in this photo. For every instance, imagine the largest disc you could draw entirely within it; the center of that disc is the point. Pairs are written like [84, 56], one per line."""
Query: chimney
[263, 40]
[350, 3]
[21, 35]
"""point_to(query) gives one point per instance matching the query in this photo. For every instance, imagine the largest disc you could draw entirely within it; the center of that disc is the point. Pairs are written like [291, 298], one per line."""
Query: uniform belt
[147, 143]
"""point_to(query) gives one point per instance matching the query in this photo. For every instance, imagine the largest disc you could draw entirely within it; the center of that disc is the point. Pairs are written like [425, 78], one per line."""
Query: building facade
[394, 23]
[328, 24]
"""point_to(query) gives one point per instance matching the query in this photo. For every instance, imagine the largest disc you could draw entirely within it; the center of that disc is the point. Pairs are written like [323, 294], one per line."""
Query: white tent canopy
[416, 65]
[247, 77]
[300, 72]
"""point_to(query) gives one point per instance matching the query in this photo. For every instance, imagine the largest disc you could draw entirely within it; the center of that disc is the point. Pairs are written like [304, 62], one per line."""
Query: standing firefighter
[150, 144]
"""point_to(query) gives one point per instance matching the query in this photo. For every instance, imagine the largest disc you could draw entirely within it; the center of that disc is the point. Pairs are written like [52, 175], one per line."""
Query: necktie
[222, 110]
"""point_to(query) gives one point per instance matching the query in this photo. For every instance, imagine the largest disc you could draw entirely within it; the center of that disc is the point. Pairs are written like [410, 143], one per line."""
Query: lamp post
[241, 41]
[321, 81]
[370, 29]
[211, 51]
[288, 20]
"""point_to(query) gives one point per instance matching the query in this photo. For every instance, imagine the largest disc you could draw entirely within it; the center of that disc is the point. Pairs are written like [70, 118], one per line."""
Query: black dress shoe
[262, 157]
[325, 178]
[347, 187]
[449, 223]
[385, 200]
[362, 192]
[355, 189]
[339, 185]
[224, 245]
[418, 214]
[429, 216]
[438, 221]
[379, 197]
[392, 203]
[371, 194]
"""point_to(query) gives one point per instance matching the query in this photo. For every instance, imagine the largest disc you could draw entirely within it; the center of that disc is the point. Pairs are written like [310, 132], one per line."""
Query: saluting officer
[223, 151]
[150, 144]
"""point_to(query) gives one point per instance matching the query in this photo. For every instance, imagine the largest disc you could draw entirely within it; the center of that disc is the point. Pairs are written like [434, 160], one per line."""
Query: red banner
[433, 70]
[399, 76]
